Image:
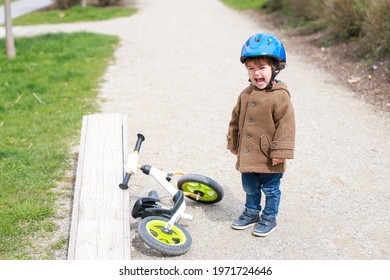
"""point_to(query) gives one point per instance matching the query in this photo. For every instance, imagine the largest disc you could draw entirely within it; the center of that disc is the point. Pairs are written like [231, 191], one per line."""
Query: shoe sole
[244, 227]
[263, 234]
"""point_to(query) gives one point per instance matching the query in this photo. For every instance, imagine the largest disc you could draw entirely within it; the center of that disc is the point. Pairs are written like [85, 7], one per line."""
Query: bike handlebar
[132, 162]
[140, 139]
[125, 184]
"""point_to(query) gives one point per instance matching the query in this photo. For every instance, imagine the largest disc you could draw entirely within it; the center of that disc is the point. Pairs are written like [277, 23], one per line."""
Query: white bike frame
[160, 176]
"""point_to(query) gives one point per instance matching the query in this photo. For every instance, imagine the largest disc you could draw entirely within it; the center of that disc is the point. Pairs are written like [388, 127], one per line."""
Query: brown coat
[262, 127]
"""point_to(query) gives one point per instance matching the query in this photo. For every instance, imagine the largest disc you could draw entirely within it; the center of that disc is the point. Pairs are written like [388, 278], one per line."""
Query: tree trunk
[9, 38]
[84, 3]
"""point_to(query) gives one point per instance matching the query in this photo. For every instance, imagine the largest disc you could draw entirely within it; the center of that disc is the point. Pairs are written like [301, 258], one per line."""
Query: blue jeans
[254, 183]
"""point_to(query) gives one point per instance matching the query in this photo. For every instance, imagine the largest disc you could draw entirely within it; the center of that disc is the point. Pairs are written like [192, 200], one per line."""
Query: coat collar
[279, 85]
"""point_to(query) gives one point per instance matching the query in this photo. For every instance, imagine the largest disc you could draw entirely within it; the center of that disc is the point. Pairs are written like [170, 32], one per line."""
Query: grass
[2, 2]
[74, 14]
[245, 4]
[44, 92]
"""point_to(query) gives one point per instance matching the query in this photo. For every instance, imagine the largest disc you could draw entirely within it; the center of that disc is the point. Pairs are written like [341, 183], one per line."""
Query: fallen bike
[159, 226]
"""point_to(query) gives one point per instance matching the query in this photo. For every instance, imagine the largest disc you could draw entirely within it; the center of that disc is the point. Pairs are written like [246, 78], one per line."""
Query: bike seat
[143, 203]
[178, 199]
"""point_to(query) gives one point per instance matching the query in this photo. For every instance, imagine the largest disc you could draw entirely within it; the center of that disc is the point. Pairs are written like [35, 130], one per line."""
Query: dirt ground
[176, 75]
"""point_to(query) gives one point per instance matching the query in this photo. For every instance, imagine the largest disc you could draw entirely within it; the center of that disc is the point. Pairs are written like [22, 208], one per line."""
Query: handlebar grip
[125, 184]
[140, 139]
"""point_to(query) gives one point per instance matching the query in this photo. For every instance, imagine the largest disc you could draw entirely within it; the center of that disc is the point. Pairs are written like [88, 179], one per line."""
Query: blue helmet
[264, 44]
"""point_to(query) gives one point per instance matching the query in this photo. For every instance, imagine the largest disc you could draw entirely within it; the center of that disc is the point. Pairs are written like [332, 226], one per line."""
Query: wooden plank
[100, 226]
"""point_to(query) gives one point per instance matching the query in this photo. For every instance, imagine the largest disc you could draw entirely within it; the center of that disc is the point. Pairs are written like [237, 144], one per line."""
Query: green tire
[209, 191]
[175, 242]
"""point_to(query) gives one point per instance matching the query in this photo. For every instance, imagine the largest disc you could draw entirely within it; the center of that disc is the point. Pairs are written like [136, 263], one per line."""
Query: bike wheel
[174, 242]
[209, 191]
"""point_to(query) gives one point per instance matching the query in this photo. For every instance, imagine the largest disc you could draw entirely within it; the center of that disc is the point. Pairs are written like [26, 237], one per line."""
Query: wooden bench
[100, 227]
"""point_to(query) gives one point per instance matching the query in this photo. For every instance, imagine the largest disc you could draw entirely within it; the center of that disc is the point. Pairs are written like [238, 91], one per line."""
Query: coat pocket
[265, 145]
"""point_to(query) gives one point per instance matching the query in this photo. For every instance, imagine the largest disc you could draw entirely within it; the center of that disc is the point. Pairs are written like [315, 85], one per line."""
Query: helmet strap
[272, 80]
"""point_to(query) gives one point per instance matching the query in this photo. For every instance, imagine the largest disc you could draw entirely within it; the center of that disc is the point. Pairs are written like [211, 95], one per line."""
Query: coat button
[273, 145]
[250, 120]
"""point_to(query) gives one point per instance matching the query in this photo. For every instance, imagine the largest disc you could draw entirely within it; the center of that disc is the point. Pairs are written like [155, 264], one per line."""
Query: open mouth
[259, 81]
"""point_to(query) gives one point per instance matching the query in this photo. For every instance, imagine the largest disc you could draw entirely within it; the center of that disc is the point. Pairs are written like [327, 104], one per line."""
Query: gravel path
[177, 75]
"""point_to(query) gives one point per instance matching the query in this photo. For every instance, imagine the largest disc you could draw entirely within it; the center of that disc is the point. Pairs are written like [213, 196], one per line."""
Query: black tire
[173, 243]
[208, 189]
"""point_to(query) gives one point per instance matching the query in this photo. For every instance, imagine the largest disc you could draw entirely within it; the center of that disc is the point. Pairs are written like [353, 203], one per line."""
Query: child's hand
[234, 152]
[276, 161]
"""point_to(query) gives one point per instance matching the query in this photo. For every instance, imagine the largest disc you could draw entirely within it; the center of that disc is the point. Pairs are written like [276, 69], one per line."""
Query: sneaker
[245, 220]
[265, 226]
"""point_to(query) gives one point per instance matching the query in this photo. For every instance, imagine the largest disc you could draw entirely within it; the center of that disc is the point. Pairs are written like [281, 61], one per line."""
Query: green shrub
[297, 9]
[346, 17]
[376, 28]
[275, 5]
[307, 9]
[107, 2]
[66, 4]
